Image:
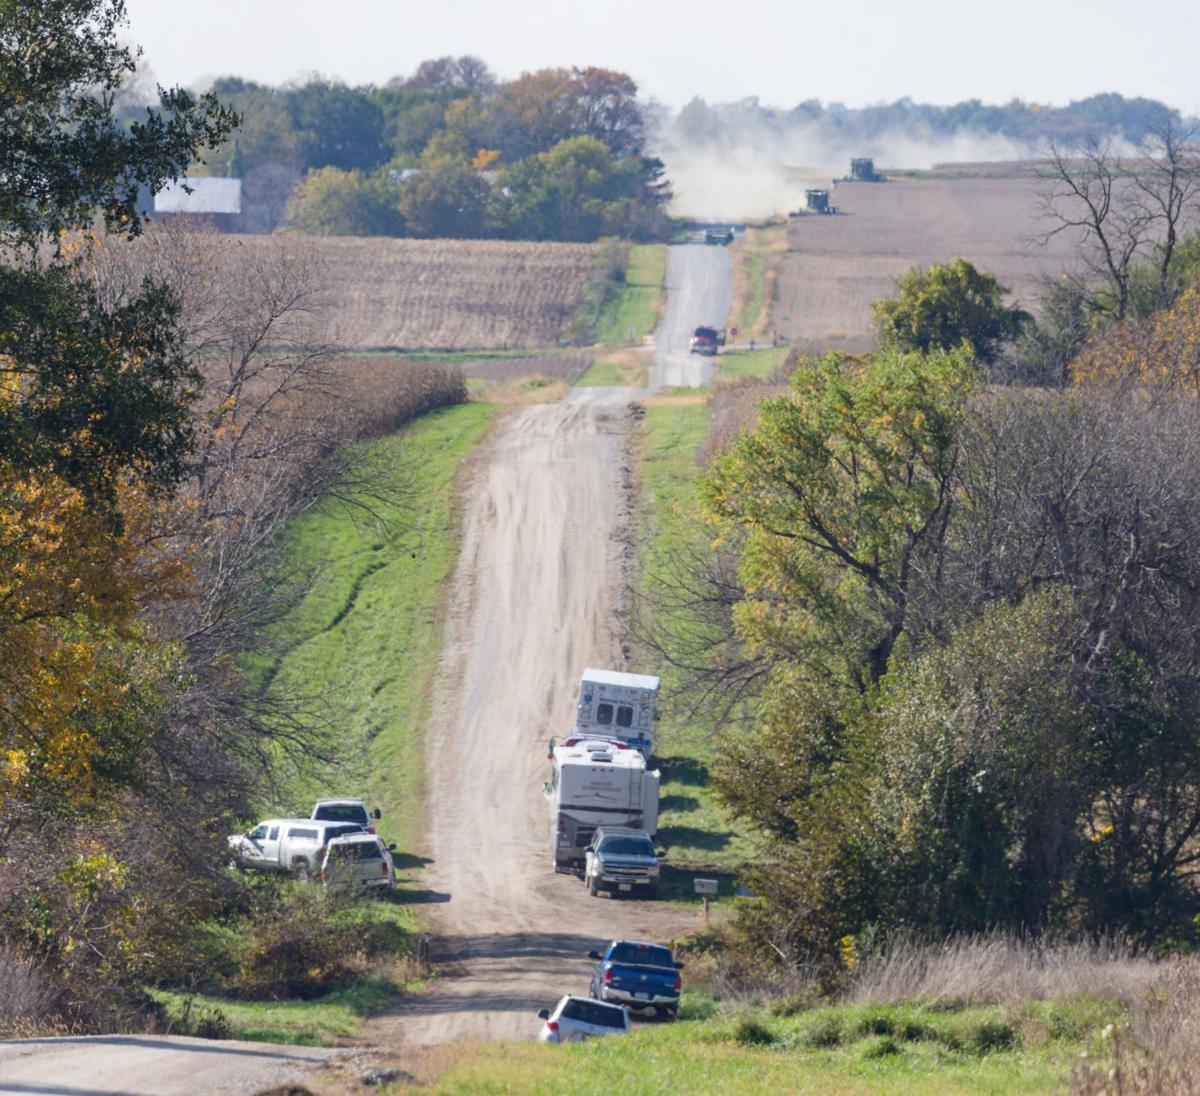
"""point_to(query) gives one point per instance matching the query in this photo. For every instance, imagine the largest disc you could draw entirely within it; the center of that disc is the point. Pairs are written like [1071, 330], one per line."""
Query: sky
[783, 51]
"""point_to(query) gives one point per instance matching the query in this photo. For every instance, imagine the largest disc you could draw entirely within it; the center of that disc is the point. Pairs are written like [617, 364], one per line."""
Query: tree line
[950, 618]
[1033, 125]
[449, 151]
[166, 405]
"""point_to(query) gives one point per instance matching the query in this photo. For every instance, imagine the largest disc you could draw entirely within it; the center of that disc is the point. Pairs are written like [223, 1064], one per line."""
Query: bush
[295, 950]
[749, 1031]
[27, 995]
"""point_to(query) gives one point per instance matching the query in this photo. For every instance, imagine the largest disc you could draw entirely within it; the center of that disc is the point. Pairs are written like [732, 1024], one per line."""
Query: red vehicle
[705, 340]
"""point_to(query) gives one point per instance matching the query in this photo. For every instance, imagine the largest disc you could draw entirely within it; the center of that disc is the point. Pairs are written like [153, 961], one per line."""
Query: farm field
[450, 294]
[837, 266]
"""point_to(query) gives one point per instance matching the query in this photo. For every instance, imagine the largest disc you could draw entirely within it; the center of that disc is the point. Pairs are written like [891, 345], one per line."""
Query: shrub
[749, 1031]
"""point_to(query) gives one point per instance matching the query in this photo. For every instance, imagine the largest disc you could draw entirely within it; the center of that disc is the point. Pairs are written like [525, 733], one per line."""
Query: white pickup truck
[295, 845]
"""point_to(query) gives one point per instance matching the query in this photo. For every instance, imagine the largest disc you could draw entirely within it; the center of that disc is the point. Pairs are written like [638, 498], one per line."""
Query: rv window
[624, 716]
[604, 713]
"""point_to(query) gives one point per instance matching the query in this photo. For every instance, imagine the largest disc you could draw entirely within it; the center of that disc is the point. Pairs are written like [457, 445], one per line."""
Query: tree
[945, 304]
[336, 126]
[845, 490]
[330, 202]
[447, 197]
[1121, 209]
[63, 154]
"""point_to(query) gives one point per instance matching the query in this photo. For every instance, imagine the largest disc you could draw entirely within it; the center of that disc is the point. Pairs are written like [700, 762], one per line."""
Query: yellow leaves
[1163, 350]
[70, 591]
[485, 158]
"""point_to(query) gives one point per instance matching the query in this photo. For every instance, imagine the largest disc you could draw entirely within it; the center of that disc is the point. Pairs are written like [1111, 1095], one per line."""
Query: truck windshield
[358, 850]
[646, 955]
[627, 846]
[342, 812]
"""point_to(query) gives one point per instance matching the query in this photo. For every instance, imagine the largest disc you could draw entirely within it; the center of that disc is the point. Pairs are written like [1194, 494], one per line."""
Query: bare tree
[1119, 208]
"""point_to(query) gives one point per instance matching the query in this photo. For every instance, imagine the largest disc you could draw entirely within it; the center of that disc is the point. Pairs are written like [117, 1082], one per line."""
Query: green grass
[756, 262]
[627, 369]
[893, 1049]
[698, 836]
[759, 364]
[632, 313]
[365, 638]
[317, 1022]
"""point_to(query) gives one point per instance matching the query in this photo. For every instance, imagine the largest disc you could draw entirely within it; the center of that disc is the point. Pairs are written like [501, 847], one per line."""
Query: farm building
[218, 201]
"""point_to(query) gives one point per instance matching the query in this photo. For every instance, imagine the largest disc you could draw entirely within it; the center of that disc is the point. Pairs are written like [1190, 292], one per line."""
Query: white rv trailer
[618, 705]
[596, 781]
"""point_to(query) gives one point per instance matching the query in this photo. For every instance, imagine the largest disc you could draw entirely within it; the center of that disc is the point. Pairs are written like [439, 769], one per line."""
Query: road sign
[705, 886]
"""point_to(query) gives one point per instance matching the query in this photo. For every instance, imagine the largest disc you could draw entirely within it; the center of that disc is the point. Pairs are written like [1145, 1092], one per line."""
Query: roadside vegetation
[634, 311]
[986, 1015]
[622, 368]
[757, 259]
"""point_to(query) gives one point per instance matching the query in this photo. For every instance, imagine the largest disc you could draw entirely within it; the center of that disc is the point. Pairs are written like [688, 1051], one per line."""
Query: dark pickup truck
[638, 975]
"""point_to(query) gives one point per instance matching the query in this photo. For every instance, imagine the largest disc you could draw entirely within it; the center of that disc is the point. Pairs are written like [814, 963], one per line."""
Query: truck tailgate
[658, 981]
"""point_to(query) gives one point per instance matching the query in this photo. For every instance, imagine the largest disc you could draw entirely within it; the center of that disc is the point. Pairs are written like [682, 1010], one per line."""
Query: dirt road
[148, 1065]
[699, 291]
[536, 599]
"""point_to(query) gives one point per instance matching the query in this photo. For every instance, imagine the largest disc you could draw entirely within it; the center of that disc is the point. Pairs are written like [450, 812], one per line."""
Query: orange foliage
[1163, 350]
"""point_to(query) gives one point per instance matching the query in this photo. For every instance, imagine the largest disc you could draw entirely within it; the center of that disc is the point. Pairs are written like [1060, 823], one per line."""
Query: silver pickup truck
[295, 845]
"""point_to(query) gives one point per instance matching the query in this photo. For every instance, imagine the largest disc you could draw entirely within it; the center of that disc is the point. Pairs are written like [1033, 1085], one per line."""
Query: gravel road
[699, 291]
[536, 597]
[149, 1065]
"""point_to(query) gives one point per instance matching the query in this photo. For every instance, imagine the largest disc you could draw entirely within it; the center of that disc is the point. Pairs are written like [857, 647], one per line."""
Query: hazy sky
[783, 51]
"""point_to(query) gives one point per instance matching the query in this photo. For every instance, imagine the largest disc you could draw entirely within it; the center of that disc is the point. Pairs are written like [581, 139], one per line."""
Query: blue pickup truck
[638, 975]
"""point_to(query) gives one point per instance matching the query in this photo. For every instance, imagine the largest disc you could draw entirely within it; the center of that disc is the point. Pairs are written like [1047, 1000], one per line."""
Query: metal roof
[208, 195]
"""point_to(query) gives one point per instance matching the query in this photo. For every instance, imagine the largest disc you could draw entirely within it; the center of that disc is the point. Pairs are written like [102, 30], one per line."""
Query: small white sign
[705, 886]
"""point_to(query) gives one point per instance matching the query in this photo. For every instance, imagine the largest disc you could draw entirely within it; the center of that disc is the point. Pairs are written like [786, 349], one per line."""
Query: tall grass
[1002, 969]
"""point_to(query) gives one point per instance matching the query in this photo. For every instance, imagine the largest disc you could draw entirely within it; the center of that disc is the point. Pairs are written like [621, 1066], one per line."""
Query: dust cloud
[750, 172]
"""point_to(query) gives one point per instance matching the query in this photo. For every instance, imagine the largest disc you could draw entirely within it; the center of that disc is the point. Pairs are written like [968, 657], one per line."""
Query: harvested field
[561, 367]
[837, 266]
[449, 294]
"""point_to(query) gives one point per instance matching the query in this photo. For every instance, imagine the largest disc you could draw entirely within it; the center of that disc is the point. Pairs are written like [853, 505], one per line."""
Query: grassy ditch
[757, 259]
[910, 1048]
[761, 365]
[698, 836]
[631, 313]
[365, 638]
[622, 369]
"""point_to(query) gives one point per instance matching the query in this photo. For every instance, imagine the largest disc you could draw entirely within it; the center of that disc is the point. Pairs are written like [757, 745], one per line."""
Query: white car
[357, 863]
[574, 1019]
[345, 810]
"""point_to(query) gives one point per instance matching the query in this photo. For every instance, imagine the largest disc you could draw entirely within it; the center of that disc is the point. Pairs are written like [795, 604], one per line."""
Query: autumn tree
[331, 202]
[944, 305]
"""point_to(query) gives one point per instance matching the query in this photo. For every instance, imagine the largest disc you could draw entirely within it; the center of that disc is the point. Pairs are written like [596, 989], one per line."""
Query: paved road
[149, 1065]
[699, 291]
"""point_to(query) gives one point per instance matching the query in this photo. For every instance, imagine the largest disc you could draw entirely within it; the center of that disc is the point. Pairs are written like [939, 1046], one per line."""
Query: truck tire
[667, 1012]
[300, 870]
